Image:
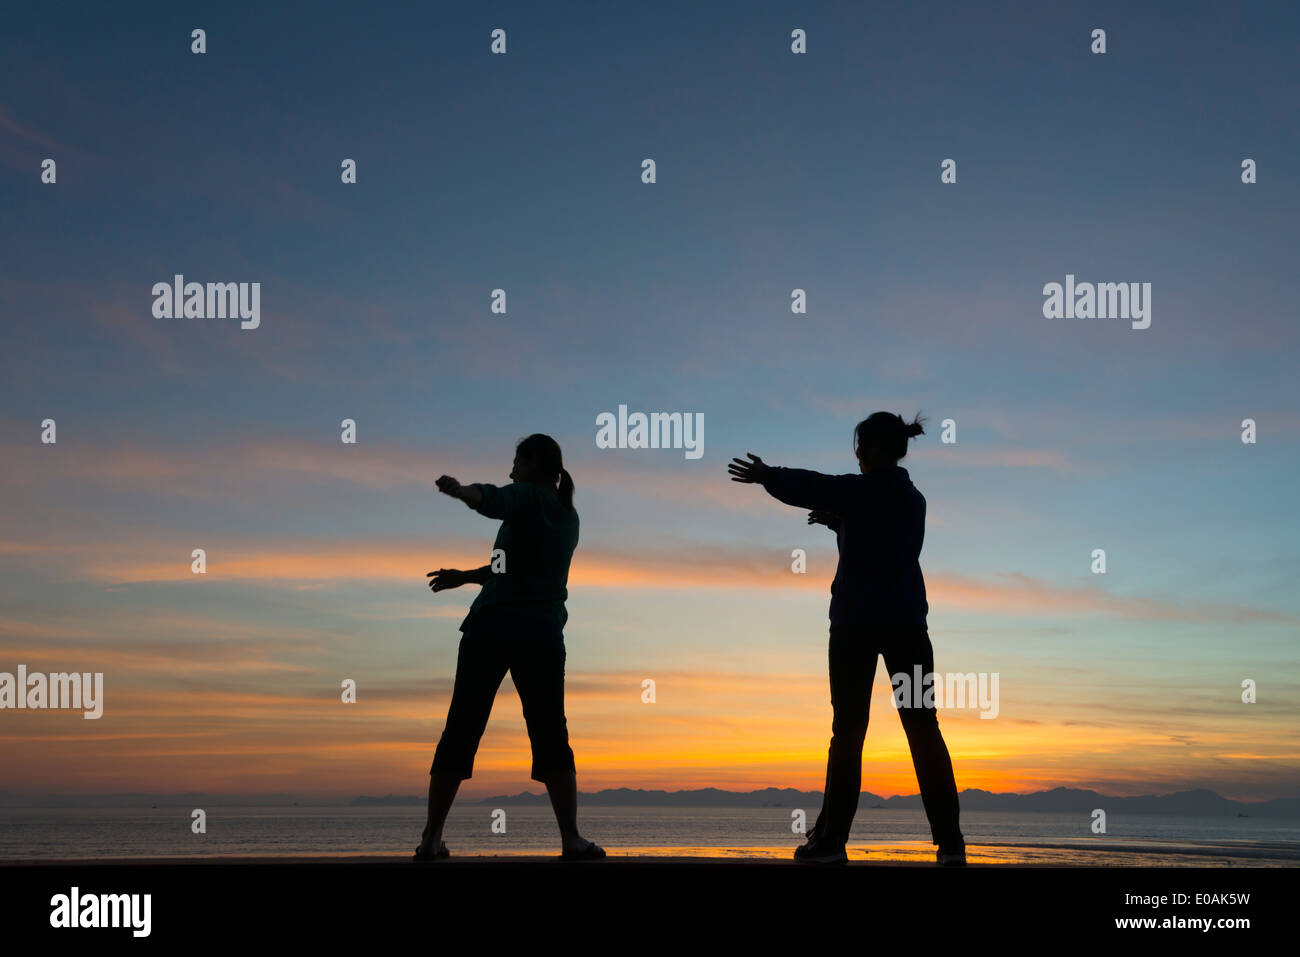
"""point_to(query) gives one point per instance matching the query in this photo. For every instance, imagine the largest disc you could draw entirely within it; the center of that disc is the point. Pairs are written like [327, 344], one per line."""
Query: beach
[527, 833]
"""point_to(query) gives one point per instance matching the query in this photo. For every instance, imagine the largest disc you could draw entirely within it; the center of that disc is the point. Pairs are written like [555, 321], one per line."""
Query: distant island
[1198, 803]
[1061, 800]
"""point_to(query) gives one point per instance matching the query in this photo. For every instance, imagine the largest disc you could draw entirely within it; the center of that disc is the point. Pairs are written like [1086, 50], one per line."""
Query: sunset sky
[775, 171]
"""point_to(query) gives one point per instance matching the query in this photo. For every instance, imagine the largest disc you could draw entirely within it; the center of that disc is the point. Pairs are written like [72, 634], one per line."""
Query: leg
[930, 757]
[537, 667]
[442, 791]
[852, 670]
[563, 789]
[819, 826]
[480, 666]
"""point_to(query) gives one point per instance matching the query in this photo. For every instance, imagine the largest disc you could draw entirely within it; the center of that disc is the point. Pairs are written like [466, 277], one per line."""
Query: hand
[445, 578]
[822, 517]
[448, 486]
[749, 472]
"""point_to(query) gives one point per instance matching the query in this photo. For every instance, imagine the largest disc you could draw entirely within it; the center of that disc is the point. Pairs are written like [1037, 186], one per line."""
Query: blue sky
[774, 172]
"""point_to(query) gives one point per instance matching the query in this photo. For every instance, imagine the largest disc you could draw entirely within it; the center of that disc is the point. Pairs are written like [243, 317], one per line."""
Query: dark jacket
[538, 536]
[881, 524]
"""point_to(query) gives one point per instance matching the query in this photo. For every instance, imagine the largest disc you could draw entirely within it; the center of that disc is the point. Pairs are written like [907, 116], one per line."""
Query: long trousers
[853, 653]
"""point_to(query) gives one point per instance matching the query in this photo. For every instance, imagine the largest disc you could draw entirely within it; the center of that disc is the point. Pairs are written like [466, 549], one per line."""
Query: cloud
[722, 567]
[224, 467]
[972, 456]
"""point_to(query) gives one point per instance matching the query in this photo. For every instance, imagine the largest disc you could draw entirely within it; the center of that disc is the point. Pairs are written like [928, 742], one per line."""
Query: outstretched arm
[801, 488]
[504, 502]
[471, 495]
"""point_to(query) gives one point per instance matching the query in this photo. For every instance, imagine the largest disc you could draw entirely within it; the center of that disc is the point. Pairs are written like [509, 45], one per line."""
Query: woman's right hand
[751, 472]
[445, 578]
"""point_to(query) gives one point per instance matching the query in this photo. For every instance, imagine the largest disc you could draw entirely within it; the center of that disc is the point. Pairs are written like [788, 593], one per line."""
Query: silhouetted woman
[878, 607]
[515, 624]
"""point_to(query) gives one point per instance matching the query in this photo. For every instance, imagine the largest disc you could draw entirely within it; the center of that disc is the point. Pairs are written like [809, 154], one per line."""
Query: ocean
[890, 835]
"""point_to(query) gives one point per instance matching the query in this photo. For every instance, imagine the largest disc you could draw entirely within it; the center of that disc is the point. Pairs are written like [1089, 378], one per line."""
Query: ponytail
[565, 490]
[912, 429]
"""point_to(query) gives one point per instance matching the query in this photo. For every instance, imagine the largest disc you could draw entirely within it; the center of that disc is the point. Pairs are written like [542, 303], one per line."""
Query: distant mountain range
[1200, 803]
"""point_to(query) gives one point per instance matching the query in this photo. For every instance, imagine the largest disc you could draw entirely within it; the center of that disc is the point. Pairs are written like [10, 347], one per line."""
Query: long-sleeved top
[881, 525]
[537, 537]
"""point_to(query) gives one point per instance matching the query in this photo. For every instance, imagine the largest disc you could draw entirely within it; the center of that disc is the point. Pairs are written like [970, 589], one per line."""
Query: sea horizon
[1193, 801]
[879, 835]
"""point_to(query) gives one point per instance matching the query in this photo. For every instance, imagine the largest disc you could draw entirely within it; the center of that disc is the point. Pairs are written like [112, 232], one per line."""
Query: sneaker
[955, 858]
[590, 851]
[423, 854]
[814, 853]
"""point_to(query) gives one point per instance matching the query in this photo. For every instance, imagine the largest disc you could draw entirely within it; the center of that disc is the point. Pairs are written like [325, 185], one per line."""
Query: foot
[581, 850]
[815, 852]
[951, 857]
[425, 852]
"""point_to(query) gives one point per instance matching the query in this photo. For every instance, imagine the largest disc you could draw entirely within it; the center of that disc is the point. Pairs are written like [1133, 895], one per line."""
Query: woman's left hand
[445, 578]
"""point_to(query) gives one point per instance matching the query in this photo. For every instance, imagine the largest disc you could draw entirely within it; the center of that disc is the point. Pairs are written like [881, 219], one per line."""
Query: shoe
[955, 858]
[438, 855]
[592, 852]
[815, 853]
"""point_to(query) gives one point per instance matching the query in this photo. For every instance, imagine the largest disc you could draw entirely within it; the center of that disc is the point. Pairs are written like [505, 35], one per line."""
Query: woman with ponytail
[878, 608]
[515, 624]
